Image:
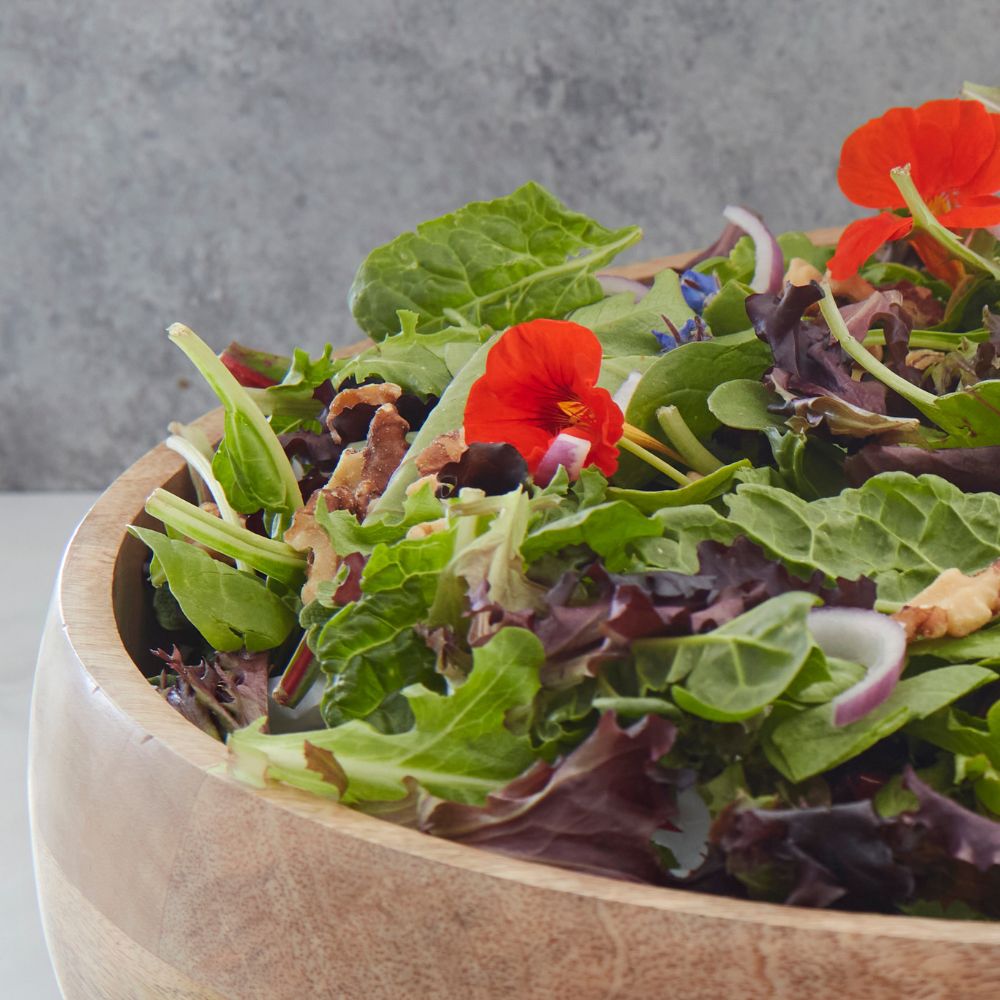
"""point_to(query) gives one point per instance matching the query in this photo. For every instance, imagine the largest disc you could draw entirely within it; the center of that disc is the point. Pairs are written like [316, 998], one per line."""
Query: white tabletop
[34, 529]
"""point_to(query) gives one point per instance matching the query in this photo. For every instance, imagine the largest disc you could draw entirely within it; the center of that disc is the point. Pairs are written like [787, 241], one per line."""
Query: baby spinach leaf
[808, 743]
[736, 670]
[726, 312]
[231, 609]
[458, 748]
[685, 377]
[493, 263]
[743, 403]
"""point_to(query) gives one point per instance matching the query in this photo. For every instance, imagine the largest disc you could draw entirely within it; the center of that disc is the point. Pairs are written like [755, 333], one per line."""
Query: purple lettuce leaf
[973, 470]
[816, 856]
[807, 360]
[594, 810]
[218, 695]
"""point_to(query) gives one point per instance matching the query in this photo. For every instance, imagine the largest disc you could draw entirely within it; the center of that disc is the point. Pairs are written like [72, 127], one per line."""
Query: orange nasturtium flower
[540, 382]
[953, 149]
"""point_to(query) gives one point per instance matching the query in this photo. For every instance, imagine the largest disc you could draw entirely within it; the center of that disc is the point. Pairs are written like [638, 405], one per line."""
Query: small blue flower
[697, 289]
[694, 329]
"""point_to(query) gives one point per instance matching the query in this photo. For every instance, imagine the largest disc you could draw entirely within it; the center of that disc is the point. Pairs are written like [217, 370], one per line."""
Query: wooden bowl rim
[85, 600]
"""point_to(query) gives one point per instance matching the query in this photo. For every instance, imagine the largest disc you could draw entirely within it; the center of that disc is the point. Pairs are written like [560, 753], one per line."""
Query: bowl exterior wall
[160, 879]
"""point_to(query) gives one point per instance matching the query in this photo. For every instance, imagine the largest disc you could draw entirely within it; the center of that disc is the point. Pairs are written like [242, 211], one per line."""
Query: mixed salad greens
[690, 581]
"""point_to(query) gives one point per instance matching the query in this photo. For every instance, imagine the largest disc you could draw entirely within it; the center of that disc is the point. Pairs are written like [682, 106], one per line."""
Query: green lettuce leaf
[625, 327]
[734, 671]
[900, 530]
[458, 748]
[685, 377]
[607, 529]
[231, 609]
[420, 363]
[490, 263]
[807, 743]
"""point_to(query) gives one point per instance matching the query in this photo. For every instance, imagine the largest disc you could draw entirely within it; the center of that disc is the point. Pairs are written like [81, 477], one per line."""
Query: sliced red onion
[769, 271]
[566, 450]
[627, 390]
[866, 637]
[615, 284]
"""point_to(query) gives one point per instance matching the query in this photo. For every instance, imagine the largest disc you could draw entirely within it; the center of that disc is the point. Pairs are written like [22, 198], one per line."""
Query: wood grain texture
[160, 877]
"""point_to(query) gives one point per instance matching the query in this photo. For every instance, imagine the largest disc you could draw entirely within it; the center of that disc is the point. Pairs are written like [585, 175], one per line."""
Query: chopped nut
[923, 358]
[372, 396]
[800, 272]
[854, 288]
[427, 528]
[443, 450]
[954, 605]
[384, 451]
[306, 535]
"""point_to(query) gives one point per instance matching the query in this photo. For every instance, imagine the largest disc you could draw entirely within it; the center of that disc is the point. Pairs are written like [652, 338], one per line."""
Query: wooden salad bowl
[160, 876]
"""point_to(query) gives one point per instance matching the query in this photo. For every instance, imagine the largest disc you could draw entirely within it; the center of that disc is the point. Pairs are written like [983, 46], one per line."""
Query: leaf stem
[652, 460]
[925, 219]
[202, 466]
[691, 450]
[270, 557]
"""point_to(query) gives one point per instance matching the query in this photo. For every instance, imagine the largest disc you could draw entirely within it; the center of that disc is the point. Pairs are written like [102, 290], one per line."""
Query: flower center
[575, 411]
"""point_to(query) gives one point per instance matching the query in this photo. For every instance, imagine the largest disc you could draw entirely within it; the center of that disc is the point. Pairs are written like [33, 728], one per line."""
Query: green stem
[924, 218]
[924, 401]
[202, 467]
[657, 463]
[930, 339]
[286, 404]
[242, 414]
[270, 557]
[691, 450]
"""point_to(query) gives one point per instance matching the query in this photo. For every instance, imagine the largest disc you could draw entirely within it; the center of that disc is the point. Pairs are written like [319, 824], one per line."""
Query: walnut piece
[953, 605]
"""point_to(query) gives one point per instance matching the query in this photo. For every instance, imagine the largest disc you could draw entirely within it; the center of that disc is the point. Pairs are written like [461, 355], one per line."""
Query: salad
[691, 580]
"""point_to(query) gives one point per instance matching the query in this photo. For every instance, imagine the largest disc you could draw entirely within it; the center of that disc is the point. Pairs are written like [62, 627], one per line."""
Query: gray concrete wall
[229, 164]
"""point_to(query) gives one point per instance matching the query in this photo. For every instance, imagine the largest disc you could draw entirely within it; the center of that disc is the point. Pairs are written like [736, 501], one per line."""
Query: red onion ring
[866, 637]
[769, 271]
[566, 450]
[615, 284]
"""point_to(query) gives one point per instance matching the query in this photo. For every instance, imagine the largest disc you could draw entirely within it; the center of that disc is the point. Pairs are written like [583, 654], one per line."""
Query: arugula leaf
[231, 609]
[490, 263]
[808, 743]
[624, 326]
[734, 671]
[458, 748]
[962, 733]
